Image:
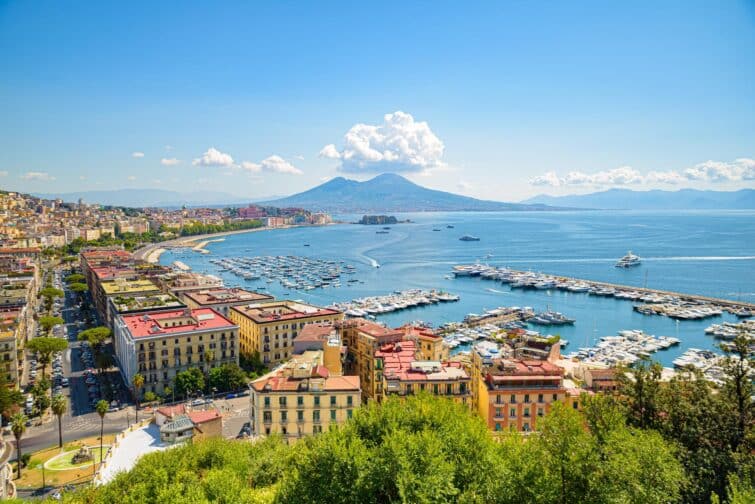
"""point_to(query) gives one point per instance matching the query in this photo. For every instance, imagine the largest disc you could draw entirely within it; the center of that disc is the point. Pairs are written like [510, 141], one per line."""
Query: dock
[529, 279]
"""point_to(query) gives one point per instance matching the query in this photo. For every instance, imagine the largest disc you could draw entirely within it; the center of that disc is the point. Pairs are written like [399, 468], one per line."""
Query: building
[601, 380]
[178, 424]
[270, 328]
[302, 398]
[222, 298]
[363, 339]
[430, 346]
[398, 372]
[179, 282]
[161, 344]
[513, 394]
[121, 288]
[324, 338]
[134, 304]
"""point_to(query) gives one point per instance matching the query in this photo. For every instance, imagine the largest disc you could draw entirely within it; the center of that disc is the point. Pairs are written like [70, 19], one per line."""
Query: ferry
[628, 261]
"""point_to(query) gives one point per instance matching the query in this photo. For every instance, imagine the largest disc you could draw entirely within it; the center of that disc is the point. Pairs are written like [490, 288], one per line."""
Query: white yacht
[628, 261]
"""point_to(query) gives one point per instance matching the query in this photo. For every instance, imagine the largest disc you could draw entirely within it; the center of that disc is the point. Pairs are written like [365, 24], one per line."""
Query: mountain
[654, 200]
[388, 193]
[151, 198]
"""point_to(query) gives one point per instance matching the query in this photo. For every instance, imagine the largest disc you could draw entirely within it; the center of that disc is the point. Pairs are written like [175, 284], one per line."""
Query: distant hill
[389, 193]
[654, 200]
[151, 198]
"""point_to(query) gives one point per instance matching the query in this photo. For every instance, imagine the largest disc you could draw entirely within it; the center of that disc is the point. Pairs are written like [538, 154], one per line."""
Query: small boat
[628, 261]
[449, 226]
[469, 238]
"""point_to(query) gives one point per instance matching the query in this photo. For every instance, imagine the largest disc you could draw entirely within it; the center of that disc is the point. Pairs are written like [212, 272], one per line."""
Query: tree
[47, 322]
[227, 377]
[45, 347]
[75, 278]
[738, 386]
[150, 396]
[101, 408]
[50, 293]
[640, 384]
[96, 337]
[78, 287]
[138, 381]
[10, 398]
[18, 427]
[59, 405]
[189, 382]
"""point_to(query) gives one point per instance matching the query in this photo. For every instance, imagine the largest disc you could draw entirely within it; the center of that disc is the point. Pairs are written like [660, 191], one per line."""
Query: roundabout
[64, 461]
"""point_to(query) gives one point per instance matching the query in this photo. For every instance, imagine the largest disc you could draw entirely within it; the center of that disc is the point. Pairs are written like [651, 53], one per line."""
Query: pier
[518, 278]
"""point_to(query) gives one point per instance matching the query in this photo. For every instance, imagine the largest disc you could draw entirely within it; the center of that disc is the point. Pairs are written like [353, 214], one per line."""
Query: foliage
[197, 228]
[228, 377]
[96, 336]
[45, 347]
[150, 396]
[78, 287]
[10, 399]
[47, 322]
[189, 382]
[59, 406]
[75, 278]
[18, 428]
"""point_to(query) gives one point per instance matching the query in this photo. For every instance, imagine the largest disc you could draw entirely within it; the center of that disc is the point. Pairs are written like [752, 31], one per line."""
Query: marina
[626, 348]
[400, 300]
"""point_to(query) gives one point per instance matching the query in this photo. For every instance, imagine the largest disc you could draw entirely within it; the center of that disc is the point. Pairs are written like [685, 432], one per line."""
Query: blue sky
[500, 100]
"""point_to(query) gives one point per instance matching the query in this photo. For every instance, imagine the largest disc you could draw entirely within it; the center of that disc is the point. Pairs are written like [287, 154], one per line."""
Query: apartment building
[161, 344]
[302, 398]
[514, 394]
[398, 372]
[270, 328]
[221, 299]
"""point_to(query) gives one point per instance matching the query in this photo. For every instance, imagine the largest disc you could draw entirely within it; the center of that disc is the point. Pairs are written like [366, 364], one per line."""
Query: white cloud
[213, 157]
[131, 178]
[169, 161]
[299, 157]
[400, 144]
[137, 154]
[271, 164]
[3, 173]
[40, 176]
[742, 169]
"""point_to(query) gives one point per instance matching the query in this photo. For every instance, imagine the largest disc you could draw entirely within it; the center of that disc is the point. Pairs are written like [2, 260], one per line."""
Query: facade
[221, 299]
[601, 380]
[398, 372]
[270, 328]
[302, 398]
[514, 394]
[161, 344]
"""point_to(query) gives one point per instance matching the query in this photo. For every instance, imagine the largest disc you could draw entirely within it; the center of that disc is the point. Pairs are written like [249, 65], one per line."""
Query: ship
[628, 261]
[469, 238]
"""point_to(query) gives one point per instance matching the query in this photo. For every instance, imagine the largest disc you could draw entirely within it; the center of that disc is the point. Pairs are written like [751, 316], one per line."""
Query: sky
[497, 100]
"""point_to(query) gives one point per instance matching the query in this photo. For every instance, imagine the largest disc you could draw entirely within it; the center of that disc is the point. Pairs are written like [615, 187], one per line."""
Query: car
[33, 373]
[231, 396]
[64, 382]
[197, 402]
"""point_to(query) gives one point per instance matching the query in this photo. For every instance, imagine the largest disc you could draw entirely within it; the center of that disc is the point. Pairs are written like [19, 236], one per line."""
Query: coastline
[152, 252]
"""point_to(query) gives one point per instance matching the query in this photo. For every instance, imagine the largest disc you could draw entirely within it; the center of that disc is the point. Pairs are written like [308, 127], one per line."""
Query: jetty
[669, 303]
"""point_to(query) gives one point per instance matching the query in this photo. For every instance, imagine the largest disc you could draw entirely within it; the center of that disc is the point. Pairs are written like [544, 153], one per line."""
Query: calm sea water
[710, 253]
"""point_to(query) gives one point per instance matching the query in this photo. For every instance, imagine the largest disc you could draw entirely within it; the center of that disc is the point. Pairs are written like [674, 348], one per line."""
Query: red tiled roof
[203, 416]
[314, 332]
[205, 319]
[171, 411]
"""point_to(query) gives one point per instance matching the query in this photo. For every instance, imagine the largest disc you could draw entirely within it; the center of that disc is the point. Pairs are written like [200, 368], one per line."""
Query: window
[332, 400]
[349, 400]
[333, 415]
[435, 388]
[526, 427]
[540, 412]
[316, 416]
[284, 416]
[267, 402]
[526, 412]
[513, 399]
[497, 426]
[498, 399]
[540, 398]
[348, 413]
[449, 389]
[512, 412]
[526, 398]
[282, 401]
[317, 401]
[267, 416]
[299, 416]
[300, 401]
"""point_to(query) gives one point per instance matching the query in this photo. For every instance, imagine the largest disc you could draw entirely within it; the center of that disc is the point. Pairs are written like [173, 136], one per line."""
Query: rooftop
[134, 302]
[121, 286]
[175, 321]
[202, 416]
[305, 372]
[315, 332]
[400, 363]
[510, 370]
[276, 311]
[225, 295]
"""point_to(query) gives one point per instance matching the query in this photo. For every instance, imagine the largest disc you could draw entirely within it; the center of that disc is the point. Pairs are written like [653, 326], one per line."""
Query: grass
[62, 462]
[31, 477]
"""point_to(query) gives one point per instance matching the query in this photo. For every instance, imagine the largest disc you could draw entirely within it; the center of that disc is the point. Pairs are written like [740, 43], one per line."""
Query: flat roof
[400, 363]
[186, 320]
[128, 286]
[136, 302]
[225, 295]
[282, 311]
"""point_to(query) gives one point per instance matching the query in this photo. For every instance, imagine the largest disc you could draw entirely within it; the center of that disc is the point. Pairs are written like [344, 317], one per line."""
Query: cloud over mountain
[742, 169]
[213, 157]
[399, 144]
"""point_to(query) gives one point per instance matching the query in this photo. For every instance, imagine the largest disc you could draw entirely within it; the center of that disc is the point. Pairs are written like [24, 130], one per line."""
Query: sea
[709, 253]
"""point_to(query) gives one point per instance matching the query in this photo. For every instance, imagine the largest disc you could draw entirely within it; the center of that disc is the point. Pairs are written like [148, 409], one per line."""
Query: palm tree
[18, 426]
[138, 381]
[59, 405]
[102, 406]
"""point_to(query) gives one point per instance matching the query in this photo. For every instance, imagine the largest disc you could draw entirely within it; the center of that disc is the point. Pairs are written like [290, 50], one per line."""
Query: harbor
[399, 300]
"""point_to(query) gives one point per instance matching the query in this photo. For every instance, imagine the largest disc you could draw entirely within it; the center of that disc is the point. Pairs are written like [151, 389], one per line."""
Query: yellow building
[269, 328]
[158, 345]
[302, 398]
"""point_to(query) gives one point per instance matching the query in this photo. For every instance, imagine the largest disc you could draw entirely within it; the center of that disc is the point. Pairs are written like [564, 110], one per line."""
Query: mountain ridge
[656, 199]
[389, 192]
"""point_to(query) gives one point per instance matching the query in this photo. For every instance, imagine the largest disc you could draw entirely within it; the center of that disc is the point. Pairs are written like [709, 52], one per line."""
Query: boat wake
[496, 291]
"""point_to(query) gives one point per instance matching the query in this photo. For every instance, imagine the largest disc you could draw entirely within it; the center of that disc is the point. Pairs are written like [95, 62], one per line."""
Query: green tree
[49, 294]
[189, 382]
[96, 337]
[47, 322]
[75, 278]
[138, 381]
[738, 389]
[101, 408]
[78, 287]
[45, 347]
[59, 405]
[640, 384]
[150, 396]
[228, 377]
[18, 427]
[10, 398]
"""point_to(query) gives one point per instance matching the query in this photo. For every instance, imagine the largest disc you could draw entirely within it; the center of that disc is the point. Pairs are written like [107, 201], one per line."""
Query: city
[399, 252]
